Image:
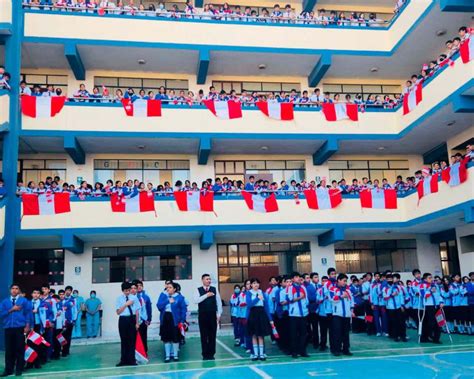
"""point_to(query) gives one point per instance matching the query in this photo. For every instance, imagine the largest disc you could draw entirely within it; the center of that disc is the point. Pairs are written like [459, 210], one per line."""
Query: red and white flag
[143, 202]
[323, 198]
[45, 204]
[440, 319]
[195, 200]
[455, 174]
[142, 108]
[466, 50]
[140, 353]
[427, 186]
[412, 98]
[378, 198]
[42, 106]
[37, 339]
[277, 111]
[224, 109]
[62, 341]
[259, 203]
[30, 354]
[340, 111]
[275, 332]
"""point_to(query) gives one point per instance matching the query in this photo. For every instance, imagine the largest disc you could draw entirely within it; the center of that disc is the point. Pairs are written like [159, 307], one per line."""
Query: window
[369, 256]
[148, 171]
[38, 169]
[276, 170]
[58, 81]
[237, 261]
[260, 87]
[37, 266]
[114, 83]
[448, 252]
[362, 89]
[148, 263]
[373, 169]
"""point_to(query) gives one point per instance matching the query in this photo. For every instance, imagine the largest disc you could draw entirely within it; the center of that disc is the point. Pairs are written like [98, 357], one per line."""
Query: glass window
[100, 270]
[105, 163]
[275, 165]
[357, 164]
[296, 165]
[255, 165]
[352, 88]
[271, 87]
[337, 165]
[35, 164]
[126, 164]
[178, 165]
[378, 164]
[151, 268]
[220, 167]
[251, 86]
[399, 164]
[151, 165]
[59, 164]
[332, 88]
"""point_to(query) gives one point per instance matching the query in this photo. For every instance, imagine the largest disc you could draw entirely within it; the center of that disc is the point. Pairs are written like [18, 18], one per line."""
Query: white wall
[466, 258]
[428, 255]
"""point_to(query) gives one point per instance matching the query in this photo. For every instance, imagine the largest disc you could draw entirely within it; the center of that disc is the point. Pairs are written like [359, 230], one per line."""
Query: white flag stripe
[132, 204]
[193, 200]
[324, 201]
[412, 99]
[46, 204]
[427, 185]
[341, 111]
[43, 106]
[222, 109]
[378, 199]
[140, 108]
[274, 110]
[258, 203]
[454, 178]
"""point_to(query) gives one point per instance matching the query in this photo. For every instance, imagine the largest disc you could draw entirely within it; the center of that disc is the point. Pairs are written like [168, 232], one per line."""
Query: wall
[466, 257]
[458, 139]
[4, 109]
[428, 255]
[6, 11]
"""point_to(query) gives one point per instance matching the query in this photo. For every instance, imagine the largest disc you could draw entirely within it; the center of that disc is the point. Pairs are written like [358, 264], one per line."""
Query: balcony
[4, 107]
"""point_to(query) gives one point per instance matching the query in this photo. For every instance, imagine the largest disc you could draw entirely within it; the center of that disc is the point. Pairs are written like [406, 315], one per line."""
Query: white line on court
[46, 373]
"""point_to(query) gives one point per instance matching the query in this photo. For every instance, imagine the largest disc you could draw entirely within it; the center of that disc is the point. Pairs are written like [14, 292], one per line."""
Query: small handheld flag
[62, 341]
[275, 332]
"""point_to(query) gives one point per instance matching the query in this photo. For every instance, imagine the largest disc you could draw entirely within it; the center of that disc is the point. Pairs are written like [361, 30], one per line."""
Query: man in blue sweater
[15, 314]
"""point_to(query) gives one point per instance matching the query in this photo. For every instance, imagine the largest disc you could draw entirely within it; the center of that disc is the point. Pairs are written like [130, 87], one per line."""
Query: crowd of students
[228, 187]
[224, 12]
[306, 309]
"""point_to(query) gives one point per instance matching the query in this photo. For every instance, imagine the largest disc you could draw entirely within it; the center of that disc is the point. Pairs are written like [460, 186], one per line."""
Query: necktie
[129, 307]
[13, 301]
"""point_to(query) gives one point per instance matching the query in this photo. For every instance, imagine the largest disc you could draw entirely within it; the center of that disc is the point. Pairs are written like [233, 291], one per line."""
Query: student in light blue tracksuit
[456, 294]
[464, 309]
[369, 312]
[448, 303]
[378, 304]
[470, 301]
[394, 295]
[282, 319]
[431, 300]
[234, 302]
[297, 298]
[324, 312]
[342, 311]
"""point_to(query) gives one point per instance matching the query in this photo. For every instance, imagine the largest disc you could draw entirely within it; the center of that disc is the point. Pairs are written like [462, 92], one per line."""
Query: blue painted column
[10, 152]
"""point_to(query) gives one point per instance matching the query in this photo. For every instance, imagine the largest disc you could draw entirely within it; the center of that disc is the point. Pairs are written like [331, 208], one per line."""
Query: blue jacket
[234, 302]
[456, 294]
[178, 308]
[341, 307]
[254, 301]
[312, 297]
[356, 291]
[298, 308]
[17, 319]
[146, 298]
[470, 293]
[393, 296]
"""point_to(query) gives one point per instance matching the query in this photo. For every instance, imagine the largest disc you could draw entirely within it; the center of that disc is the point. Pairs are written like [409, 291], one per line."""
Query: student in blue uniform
[431, 300]
[358, 324]
[245, 340]
[38, 317]
[393, 294]
[282, 319]
[234, 303]
[298, 311]
[456, 294]
[14, 313]
[342, 310]
[259, 319]
[79, 302]
[369, 312]
[145, 313]
[448, 304]
[127, 308]
[172, 307]
[464, 310]
[313, 323]
[71, 317]
[50, 322]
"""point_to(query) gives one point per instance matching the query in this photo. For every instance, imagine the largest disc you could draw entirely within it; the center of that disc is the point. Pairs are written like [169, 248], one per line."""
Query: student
[456, 294]
[448, 304]
[470, 301]
[92, 307]
[50, 323]
[298, 311]
[14, 312]
[259, 319]
[59, 324]
[172, 307]
[79, 302]
[71, 316]
[234, 303]
[394, 296]
[431, 301]
[358, 325]
[270, 291]
[209, 315]
[127, 308]
[40, 312]
[245, 340]
[145, 313]
[313, 322]
[343, 306]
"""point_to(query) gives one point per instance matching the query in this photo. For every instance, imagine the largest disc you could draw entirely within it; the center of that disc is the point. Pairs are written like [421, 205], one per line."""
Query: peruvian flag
[412, 98]
[62, 341]
[466, 50]
[277, 111]
[379, 199]
[195, 200]
[224, 109]
[427, 186]
[37, 339]
[142, 202]
[275, 332]
[140, 354]
[41, 106]
[440, 319]
[45, 204]
[259, 203]
[142, 108]
[323, 198]
[455, 174]
[30, 354]
[340, 111]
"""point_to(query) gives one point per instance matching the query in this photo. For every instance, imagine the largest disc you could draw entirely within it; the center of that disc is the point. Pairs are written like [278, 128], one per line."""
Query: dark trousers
[313, 329]
[430, 328]
[298, 333]
[358, 322]
[143, 330]
[48, 335]
[68, 335]
[41, 349]
[341, 327]
[324, 329]
[128, 335]
[56, 345]
[208, 331]
[14, 350]
[369, 317]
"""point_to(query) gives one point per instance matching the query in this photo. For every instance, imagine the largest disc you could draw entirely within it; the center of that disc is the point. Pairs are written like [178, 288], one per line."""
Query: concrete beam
[331, 236]
[456, 5]
[319, 70]
[4, 128]
[445, 235]
[204, 150]
[308, 5]
[463, 103]
[203, 66]
[206, 240]
[75, 61]
[72, 243]
[74, 149]
[469, 215]
[329, 147]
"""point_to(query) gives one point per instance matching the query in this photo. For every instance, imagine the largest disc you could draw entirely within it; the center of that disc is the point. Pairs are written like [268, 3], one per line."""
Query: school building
[93, 248]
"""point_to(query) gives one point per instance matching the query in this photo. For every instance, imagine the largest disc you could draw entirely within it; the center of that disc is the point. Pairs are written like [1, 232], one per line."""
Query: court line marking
[241, 358]
[284, 363]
